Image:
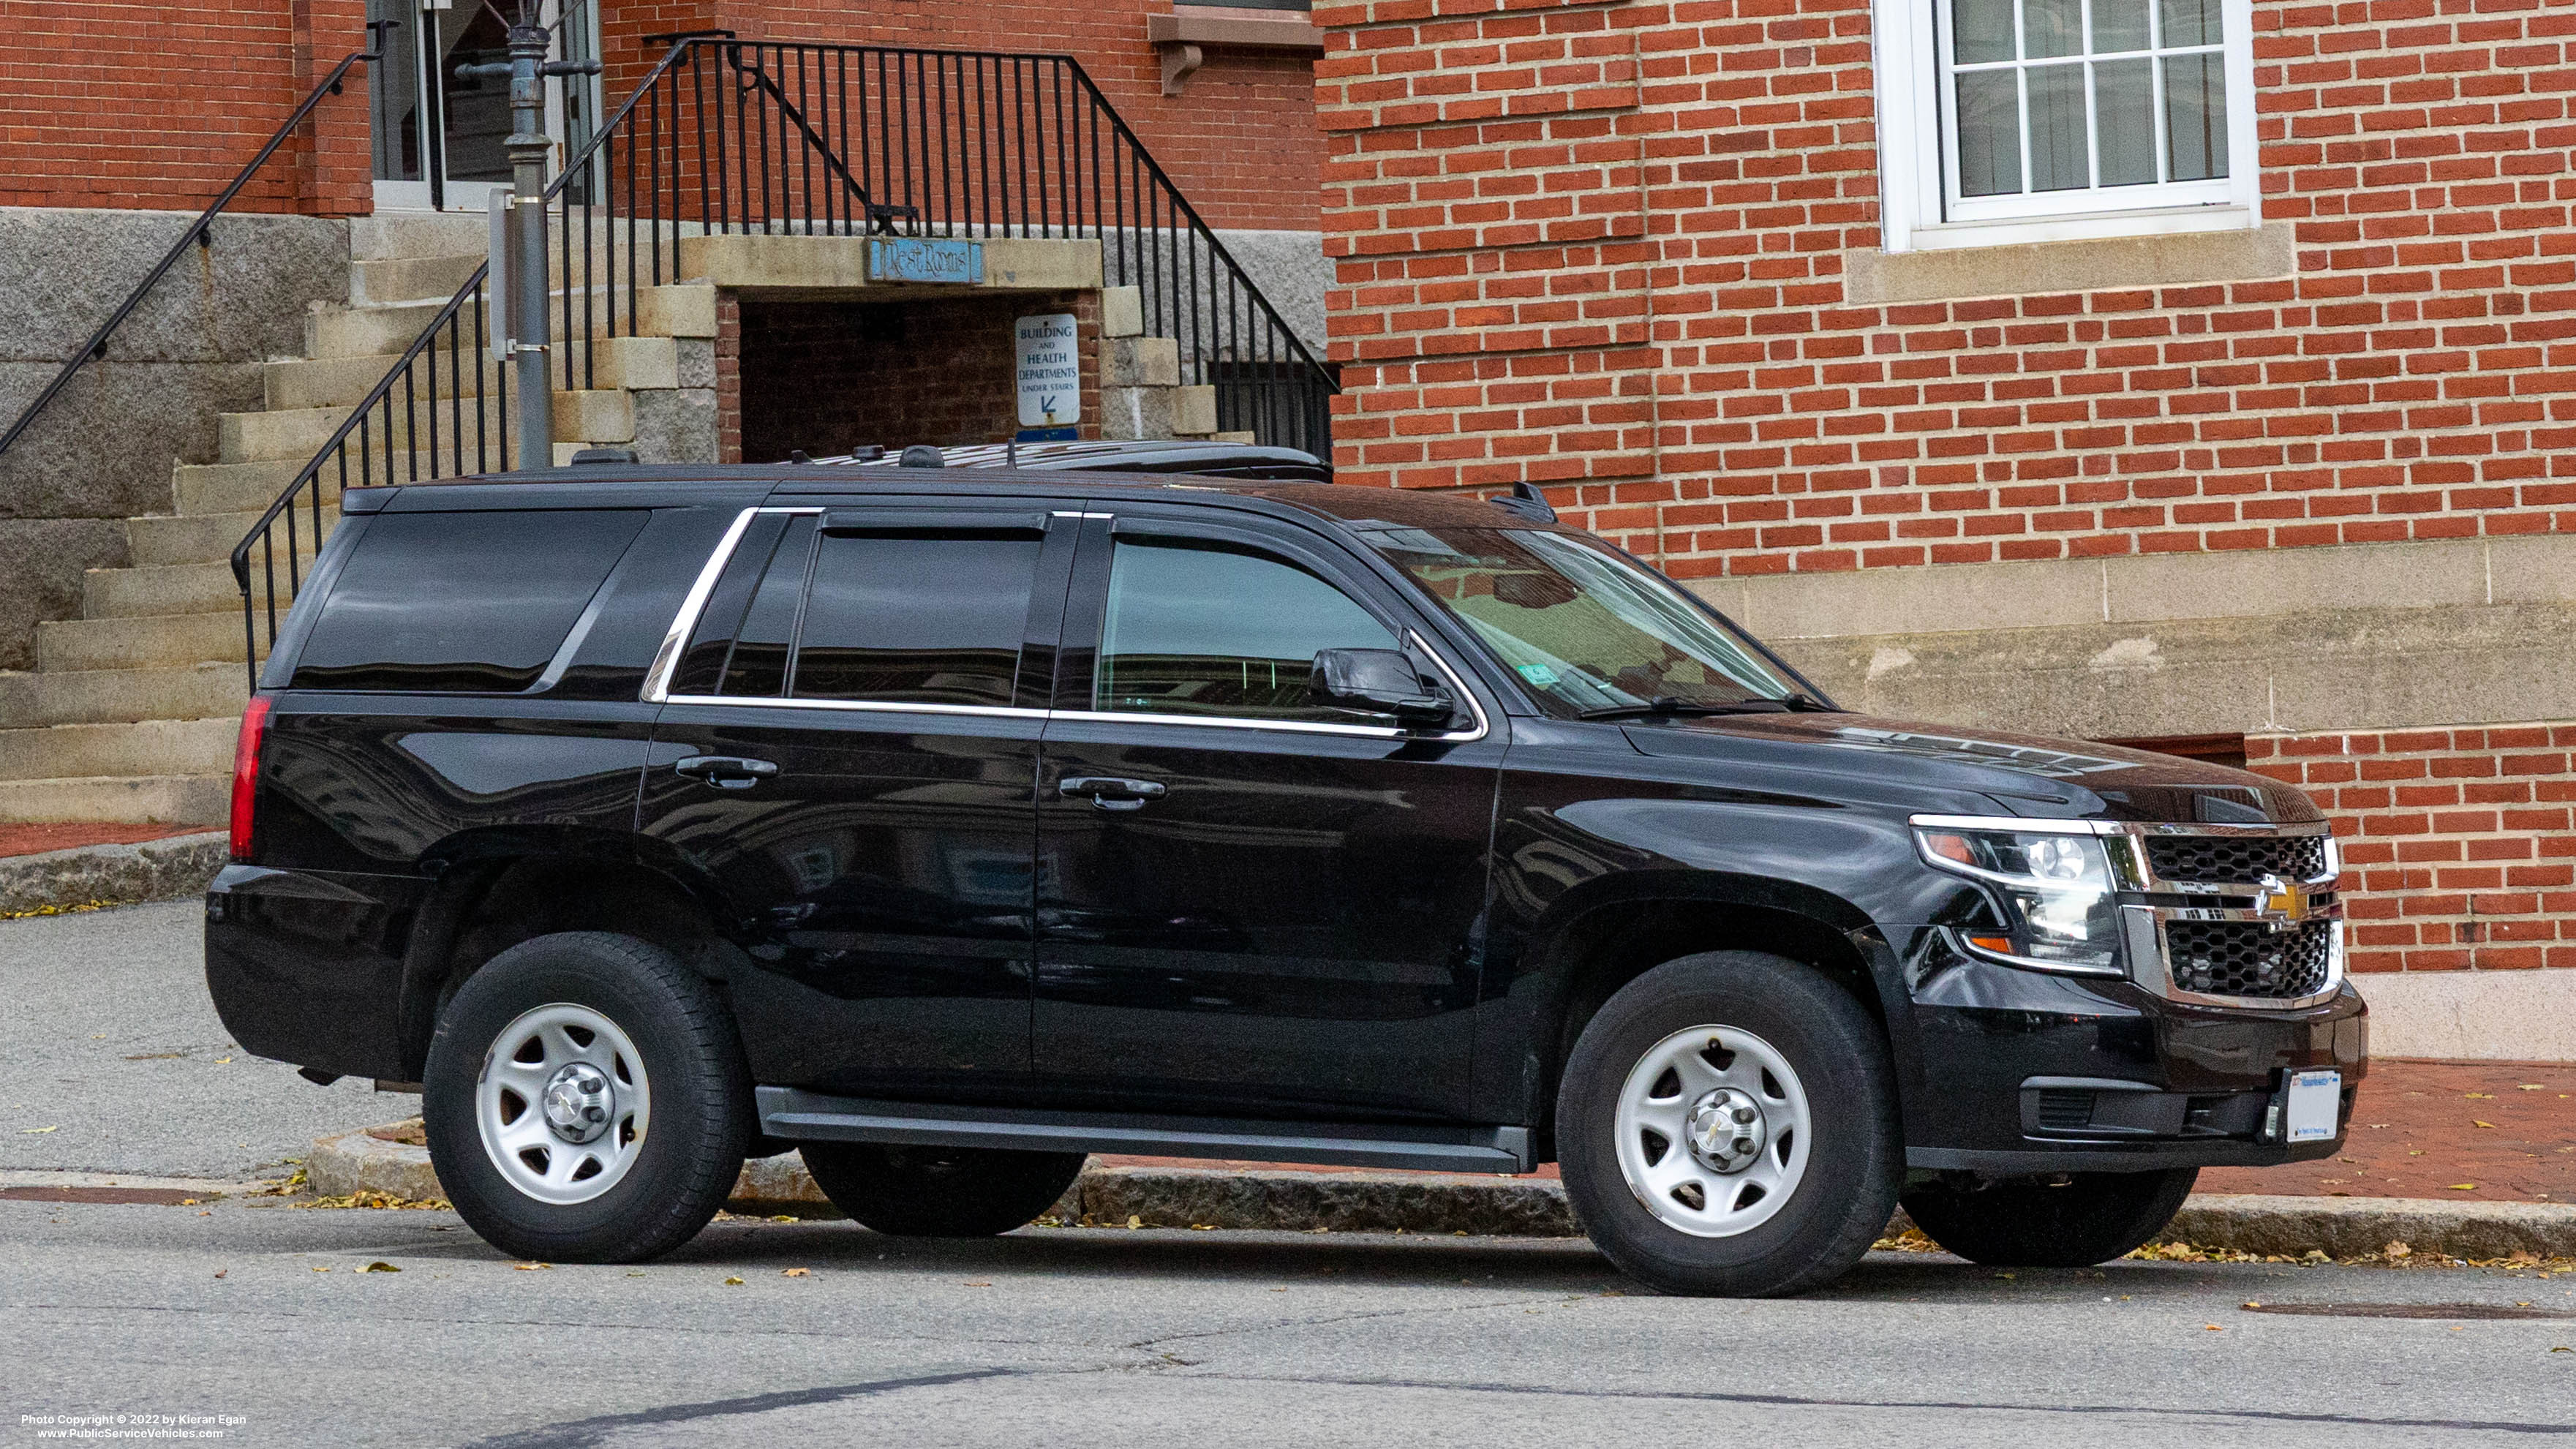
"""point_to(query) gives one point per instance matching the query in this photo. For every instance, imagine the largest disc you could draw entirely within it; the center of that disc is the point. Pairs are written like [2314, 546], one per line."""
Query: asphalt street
[261, 1311]
[1074, 1336]
[112, 1059]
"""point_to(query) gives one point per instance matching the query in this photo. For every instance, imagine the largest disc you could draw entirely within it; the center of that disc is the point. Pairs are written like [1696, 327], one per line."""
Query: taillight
[246, 771]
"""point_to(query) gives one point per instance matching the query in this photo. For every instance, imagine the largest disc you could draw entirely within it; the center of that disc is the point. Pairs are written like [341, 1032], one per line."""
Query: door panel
[859, 791]
[1250, 908]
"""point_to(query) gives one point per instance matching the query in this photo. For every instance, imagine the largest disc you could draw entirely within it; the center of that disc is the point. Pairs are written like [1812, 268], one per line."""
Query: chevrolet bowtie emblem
[2281, 902]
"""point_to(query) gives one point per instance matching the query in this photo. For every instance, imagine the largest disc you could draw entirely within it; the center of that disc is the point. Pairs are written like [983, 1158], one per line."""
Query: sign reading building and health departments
[1048, 365]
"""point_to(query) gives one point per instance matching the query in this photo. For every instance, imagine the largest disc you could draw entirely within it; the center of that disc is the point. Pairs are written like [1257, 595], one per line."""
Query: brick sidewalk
[2415, 1134]
[37, 839]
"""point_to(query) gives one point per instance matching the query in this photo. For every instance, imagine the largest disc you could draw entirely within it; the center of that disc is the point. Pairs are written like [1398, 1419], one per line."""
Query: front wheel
[2092, 1217]
[1727, 1126]
[940, 1192]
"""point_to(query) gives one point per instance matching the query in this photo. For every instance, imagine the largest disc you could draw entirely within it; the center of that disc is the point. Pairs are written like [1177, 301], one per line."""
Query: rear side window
[461, 603]
[866, 614]
[914, 618]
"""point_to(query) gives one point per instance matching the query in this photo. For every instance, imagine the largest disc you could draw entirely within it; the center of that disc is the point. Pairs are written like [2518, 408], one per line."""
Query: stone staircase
[130, 712]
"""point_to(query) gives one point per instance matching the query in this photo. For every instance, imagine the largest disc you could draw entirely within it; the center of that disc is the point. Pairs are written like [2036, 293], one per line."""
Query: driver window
[1201, 628]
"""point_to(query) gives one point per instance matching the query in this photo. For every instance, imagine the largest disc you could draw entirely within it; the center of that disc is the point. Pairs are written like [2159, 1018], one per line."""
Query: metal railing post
[527, 325]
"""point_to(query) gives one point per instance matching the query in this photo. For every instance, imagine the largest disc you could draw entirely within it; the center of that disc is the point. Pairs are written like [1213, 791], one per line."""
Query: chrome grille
[2248, 958]
[2236, 859]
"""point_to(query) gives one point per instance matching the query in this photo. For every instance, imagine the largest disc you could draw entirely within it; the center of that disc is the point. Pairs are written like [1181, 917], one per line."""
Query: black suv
[949, 825]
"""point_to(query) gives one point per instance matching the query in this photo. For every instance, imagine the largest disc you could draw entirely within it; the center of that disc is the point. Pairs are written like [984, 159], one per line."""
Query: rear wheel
[940, 1192]
[585, 1100]
[2091, 1218]
[1727, 1125]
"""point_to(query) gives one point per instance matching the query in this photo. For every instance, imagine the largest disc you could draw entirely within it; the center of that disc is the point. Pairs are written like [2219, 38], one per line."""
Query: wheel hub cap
[1727, 1131]
[579, 1103]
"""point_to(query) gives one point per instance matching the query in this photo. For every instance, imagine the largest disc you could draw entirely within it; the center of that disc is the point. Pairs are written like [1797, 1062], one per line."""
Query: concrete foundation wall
[102, 452]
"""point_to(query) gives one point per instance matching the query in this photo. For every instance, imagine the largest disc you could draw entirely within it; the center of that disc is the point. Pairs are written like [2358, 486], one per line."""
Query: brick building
[1156, 199]
[2194, 371]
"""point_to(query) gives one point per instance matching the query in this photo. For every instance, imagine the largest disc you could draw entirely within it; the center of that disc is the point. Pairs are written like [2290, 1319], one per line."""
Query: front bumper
[2026, 1073]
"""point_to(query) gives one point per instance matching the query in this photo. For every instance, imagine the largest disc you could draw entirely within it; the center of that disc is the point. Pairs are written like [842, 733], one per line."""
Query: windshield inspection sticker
[1538, 674]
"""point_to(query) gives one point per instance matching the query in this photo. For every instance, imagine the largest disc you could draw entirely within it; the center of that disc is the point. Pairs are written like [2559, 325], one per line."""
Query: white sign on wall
[1049, 366]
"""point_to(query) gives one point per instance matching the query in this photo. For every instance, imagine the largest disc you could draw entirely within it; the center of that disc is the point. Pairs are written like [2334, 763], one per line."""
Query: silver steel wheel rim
[1691, 1082]
[542, 1078]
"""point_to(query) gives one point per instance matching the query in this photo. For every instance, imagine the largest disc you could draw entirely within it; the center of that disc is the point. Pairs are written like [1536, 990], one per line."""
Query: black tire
[940, 1192]
[2094, 1218]
[1855, 1152]
[699, 1106]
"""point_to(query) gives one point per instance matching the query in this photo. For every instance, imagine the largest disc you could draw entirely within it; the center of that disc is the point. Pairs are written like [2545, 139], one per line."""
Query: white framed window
[2003, 121]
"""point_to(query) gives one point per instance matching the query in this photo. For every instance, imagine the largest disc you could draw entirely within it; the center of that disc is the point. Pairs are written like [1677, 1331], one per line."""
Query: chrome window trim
[666, 660]
[871, 706]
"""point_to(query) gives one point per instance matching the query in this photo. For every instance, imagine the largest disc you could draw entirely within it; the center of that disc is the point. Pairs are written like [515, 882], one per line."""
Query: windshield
[1585, 628]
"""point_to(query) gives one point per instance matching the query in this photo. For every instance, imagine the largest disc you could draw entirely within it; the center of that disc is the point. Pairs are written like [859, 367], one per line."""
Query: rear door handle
[727, 772]
[1108, 792]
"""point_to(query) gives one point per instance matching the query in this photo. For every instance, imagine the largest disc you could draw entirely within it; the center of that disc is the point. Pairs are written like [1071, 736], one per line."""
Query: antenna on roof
[1526, 501]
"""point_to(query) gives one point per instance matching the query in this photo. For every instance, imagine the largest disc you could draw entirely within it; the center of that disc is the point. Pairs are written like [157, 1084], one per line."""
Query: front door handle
[1108, 792]
[727, 772]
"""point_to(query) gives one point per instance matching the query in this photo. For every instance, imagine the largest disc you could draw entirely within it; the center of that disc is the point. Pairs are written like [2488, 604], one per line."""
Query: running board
[801, 1116]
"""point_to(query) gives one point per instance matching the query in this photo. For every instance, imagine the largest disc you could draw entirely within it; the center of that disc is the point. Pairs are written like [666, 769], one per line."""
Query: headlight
[2057, 888]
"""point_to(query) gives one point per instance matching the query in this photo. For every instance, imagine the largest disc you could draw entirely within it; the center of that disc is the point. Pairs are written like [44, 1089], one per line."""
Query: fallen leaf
[530, 1267]
[2480, 1096]
[2397, 1249]
[979, 1285]
[2214, 1328]
[2253, 1302]
[1134, 1221]
[187, 1202]
[2463, 1187]
[219, 1272]
[2532, 1087]
[2474, 1122]
[39, 1131]
[2563, 1349]
[733, 1282]
[321, 1270]
[784, 1218]
[223, 1061]
[794, 1273]
[380, 1266]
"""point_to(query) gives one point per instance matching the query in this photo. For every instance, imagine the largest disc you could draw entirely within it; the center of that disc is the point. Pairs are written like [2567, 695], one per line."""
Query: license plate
[2315, 1100]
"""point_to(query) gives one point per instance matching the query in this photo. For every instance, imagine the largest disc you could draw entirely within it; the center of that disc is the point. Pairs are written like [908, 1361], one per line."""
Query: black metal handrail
[727, 136]
[200, 231]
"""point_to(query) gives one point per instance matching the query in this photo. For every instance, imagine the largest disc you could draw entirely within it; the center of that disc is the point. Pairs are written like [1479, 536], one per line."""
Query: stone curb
[156, 870]
[1385, 1202]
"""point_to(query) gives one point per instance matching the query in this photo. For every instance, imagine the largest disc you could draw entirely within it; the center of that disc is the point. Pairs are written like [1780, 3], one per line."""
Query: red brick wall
[1601, 246]
[157, 106]
[831, 377]
[125, 105]
[2458, 847]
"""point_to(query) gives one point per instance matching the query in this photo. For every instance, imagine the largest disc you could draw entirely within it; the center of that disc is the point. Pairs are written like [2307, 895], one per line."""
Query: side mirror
[1379, 681]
